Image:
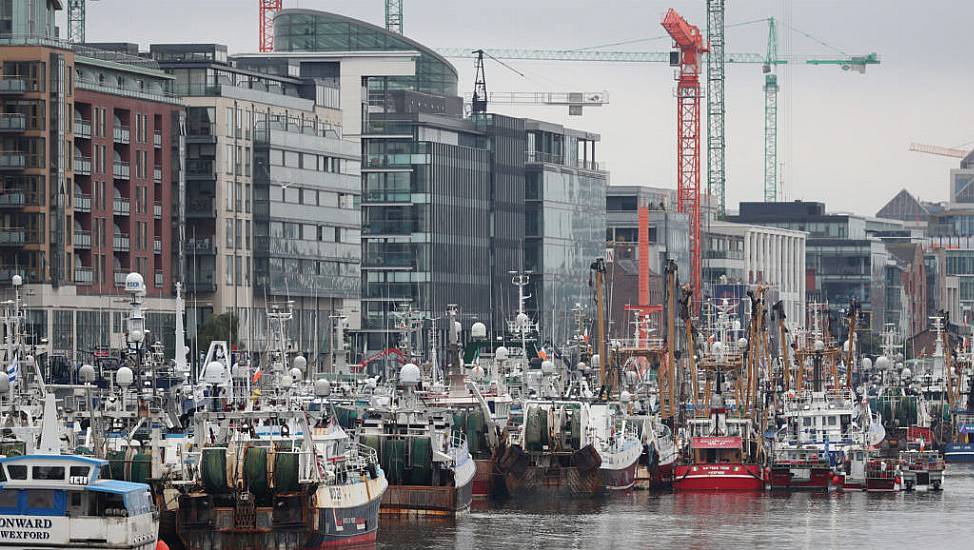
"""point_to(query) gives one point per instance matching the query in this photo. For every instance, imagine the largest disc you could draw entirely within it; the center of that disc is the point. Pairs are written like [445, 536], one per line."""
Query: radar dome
[882, 362]
[409, 374]
[478, 331]
[29, 361]
[867, 363]
[547, 366]
[124, 377]
[296, 374]
[322, 387]
[742, 344]
[501, 353]
[214, 373]
[135, 284]
[522, 320]
[136, 336]
[477, 373]
[819, 345]
[906, 374]
[17, 280]
[87, 374]
[300, 363]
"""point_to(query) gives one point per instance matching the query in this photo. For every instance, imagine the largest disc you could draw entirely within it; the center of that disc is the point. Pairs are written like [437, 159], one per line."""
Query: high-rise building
[272, 192]
[87, 184]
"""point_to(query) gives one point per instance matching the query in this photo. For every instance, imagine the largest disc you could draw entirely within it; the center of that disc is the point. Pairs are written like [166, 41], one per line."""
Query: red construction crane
[268, 9]
[691, 45]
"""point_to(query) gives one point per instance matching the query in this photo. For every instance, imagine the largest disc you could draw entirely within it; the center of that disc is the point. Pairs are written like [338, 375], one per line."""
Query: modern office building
[842, 262]
[87, 183]
[750, 254]
[564, 223]
[271, 192]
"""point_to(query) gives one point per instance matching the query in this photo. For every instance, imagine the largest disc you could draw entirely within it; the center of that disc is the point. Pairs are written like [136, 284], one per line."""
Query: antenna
[479, 102]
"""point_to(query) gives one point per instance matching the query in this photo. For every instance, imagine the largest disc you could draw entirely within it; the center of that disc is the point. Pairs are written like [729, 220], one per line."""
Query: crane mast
[394, 16]
[771, 116]
[716, 142]
[691, 47]
[268, 10]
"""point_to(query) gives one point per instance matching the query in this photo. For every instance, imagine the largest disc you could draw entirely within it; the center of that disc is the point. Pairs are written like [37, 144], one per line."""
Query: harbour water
[687, 520]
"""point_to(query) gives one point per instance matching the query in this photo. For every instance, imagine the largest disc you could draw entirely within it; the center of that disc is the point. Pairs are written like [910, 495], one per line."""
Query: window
[48, 473]
[229, 162]
[229, 233]
[40, 499]
[17, 471]
[229, 262]
[8, 499]
[237, 269]
[229, 122]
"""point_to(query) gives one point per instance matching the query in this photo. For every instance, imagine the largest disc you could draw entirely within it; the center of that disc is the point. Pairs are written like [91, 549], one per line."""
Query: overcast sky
[843, 136]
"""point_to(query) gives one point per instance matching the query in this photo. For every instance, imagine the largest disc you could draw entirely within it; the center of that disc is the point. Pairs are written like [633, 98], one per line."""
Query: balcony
[201, 208]
[121, 206]
[202, 247]
[158, 279]
[157, 140]
[82, 128]
[157, 174]
[120, 170]
[200, 169]
[157, 245]
[120, 242]
[13, 199]
[82, 202]
[82, 166]
[121, 134]
[12, 160]
[13, 236]
[84, 275]
[12, 85]
[120, 278]
[12, 122]
[157, 211]
[82, 239]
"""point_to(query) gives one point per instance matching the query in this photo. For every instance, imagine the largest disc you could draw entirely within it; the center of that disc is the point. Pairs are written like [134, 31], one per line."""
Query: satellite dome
[882, 362]
[135, 284]
[214, 373]
[17, 280]
[819, 345]
[867, 363]
[501, 353]
[300, 363]
[478, 331]
[522, 320]
[322, 387]
[742, 344]
[547, 366]
[86, 373]
[136, 336]
[29, 361]
[409, 374]
[124, 377]
[906, 374]
[296, 374]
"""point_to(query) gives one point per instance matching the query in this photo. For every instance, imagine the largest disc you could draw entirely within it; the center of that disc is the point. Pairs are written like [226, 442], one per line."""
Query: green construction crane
[394, 16]
[769, 61]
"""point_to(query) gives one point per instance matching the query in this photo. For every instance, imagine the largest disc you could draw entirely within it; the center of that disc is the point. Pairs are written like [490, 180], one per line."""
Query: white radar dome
[478, 330]
[214, 373]
[124, 377]
[409, 374]
[322, 387]
[547, 366]
[867, 363]
[300, 363]
[135, 284]
[87, 374]
[501, 353]
[882, 362]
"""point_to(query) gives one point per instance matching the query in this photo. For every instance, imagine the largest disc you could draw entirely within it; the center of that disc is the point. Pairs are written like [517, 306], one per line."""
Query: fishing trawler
[922, 469]
[50, 500]
[270, 464]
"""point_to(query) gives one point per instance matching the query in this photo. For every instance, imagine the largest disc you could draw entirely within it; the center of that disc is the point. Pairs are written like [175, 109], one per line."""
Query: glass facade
[316, 31]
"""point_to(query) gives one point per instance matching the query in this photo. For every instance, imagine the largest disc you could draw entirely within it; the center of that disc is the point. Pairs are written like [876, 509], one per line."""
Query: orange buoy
[161, 545]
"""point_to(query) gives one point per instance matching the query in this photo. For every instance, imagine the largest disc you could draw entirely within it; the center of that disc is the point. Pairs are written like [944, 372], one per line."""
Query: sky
[843, 137]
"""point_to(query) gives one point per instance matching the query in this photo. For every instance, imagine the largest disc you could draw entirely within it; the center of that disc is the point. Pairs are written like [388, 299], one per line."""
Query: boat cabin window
[17, 471]
[48, 473]
[40, 498]
[832, 421]
[807, 421]
[109, 504]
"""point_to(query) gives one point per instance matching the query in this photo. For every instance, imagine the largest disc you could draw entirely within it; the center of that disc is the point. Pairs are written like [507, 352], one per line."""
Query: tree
[218, 327]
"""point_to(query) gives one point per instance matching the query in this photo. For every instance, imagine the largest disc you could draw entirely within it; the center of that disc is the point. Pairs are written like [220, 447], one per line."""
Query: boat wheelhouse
[61, 501]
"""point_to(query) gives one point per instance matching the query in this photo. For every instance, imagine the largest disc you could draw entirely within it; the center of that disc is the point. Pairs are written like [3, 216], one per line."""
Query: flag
[257, 375]
[13, 369]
